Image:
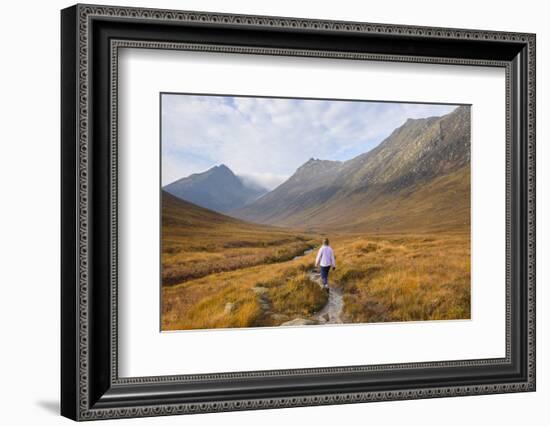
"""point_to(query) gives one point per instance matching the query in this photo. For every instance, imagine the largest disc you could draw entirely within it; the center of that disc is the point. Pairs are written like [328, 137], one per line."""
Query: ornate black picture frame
[91, 387]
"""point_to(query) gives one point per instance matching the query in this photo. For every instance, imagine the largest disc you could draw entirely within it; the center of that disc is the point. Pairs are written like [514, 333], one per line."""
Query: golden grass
[405, 278]
[220, 272]
[265, 295]
[197, 242]
[383, 278]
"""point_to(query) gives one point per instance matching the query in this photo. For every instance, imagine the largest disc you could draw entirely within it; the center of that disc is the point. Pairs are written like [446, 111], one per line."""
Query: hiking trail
[331, 313]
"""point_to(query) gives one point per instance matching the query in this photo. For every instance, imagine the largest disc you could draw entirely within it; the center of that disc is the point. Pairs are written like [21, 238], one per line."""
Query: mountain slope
[197, 242]
[217, 189]
[439, 204]
[186, 216]
[418, 150]
[311, 184]
[419, 161]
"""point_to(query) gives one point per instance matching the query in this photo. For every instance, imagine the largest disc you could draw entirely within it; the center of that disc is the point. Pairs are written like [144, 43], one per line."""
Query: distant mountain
[418, 176]
[217, 189]
[310, 185]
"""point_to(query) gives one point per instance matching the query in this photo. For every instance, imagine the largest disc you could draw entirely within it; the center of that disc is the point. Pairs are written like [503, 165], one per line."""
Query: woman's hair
[325, 241]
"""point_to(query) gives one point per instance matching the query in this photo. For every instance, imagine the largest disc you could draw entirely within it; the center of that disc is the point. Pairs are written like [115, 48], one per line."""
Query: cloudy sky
[267, 139]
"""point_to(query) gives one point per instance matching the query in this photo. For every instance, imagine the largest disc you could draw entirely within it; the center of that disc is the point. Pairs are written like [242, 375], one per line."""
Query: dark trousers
[324, 274]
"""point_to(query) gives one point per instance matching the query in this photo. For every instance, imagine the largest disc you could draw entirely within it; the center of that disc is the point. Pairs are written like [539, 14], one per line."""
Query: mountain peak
[311, 162]
[222, 169]
[316, 162]
[217, 188]
[422, 120]
[314, 168]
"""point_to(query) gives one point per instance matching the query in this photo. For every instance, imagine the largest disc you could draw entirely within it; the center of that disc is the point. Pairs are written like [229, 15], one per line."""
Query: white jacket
[325, 256]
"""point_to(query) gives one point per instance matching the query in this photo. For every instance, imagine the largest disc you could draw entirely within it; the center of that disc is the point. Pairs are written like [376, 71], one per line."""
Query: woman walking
[325, 259]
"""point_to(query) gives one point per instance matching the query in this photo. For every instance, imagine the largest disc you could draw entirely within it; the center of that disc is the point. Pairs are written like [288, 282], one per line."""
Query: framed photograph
[263, 212]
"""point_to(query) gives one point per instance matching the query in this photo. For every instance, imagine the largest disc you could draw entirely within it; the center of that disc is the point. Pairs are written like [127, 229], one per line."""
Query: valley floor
[380, 278]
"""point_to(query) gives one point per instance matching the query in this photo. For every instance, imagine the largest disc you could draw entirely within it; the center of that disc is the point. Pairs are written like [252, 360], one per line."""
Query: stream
[331, 313]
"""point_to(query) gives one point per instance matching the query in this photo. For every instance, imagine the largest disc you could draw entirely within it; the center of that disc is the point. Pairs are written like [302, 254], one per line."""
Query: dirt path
[332, 311]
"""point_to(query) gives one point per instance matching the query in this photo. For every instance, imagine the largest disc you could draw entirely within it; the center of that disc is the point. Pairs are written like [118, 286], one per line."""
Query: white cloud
[265, 180]
[267, 139]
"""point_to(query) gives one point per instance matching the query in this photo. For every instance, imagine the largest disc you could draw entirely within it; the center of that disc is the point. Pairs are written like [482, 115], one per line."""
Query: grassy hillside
[197, 242]
[442, 204]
